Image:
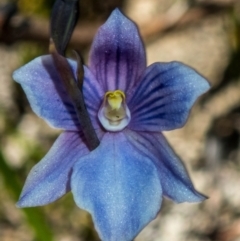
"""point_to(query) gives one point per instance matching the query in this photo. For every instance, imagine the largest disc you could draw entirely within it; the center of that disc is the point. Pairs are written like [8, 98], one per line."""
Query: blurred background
[204, 34]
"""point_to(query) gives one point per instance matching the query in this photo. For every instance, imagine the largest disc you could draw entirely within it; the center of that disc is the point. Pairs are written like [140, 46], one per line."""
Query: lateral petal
[118, 186]
[48, 97]
[163, 98]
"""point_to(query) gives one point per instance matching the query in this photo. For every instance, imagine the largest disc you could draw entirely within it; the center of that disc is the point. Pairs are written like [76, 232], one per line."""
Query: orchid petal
[118, 186]
[49, 179]
[93, 96]
[48, 97]
[163, 98]
[117, 57]
[175, 180]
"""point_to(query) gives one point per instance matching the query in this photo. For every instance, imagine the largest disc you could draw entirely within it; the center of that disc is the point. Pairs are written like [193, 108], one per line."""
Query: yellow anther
[115, 98]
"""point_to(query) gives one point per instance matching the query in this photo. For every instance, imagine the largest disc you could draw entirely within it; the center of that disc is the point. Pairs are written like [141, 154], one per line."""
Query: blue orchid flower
[121, 183]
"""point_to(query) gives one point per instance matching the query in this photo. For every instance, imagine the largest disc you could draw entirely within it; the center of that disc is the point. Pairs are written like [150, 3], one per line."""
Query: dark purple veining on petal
[117, 57]
[163, 98]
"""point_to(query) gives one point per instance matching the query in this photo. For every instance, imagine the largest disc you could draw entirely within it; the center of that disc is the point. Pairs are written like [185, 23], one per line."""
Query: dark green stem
[74, 89]
[63, 19]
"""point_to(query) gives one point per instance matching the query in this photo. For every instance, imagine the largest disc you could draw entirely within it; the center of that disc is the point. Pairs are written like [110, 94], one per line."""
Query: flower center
[114, 114]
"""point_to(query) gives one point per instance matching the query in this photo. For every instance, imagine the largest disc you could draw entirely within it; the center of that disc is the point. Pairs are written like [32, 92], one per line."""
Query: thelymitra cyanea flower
[121, 183]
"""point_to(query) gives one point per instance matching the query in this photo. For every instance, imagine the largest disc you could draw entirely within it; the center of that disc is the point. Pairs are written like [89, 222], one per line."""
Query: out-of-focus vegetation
[204, 35]
[40, 7]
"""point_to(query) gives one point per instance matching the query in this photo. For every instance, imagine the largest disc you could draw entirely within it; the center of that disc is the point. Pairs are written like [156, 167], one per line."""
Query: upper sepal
[163, 98]
[117, 56]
